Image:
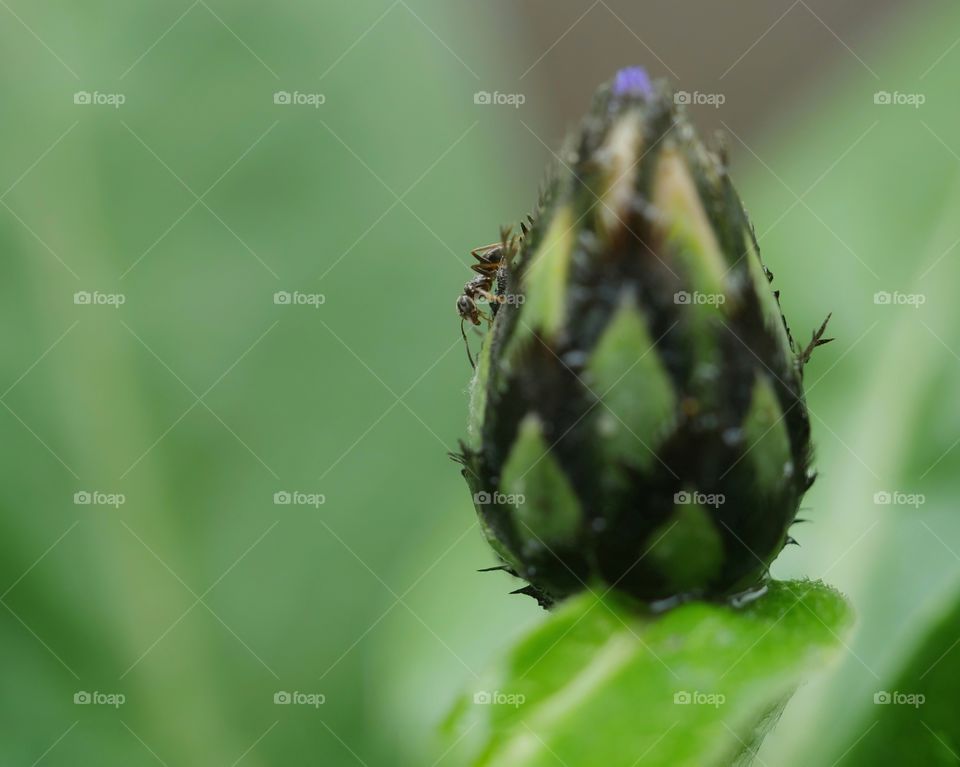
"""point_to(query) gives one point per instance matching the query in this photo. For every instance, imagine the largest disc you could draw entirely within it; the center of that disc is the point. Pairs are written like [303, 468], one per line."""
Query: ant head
[467, 309]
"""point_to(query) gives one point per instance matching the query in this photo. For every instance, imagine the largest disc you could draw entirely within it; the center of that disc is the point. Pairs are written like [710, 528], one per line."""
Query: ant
[492, 261]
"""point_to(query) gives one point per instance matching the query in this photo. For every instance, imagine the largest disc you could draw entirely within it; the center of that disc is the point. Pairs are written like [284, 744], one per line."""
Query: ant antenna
[466, 343]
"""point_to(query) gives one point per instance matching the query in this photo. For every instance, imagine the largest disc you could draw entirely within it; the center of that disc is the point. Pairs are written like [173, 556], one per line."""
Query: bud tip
[633, 81]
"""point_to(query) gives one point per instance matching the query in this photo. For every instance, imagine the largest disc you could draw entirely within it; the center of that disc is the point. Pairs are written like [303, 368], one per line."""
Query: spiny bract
[637, 414]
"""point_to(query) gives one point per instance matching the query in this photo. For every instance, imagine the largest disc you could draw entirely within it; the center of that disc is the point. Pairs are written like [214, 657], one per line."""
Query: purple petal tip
[633, 81]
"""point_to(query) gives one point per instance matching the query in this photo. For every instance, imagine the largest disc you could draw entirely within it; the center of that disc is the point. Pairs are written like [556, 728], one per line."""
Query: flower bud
[637, 413]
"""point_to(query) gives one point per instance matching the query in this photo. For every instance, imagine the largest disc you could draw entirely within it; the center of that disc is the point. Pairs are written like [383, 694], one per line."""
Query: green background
[200, 398]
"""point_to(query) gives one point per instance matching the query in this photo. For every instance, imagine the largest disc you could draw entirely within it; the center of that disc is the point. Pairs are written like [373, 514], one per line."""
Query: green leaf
[914, 720]
[884, 414]
[98, 598]
[604, 681]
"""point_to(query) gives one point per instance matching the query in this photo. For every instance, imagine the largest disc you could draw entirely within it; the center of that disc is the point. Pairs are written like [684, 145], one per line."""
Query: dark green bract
[637, 415]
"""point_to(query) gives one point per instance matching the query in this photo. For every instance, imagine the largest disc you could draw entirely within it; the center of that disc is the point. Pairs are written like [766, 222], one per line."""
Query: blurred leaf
[97, 598]
[882, 397]
[917, 720]
[602, 683]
